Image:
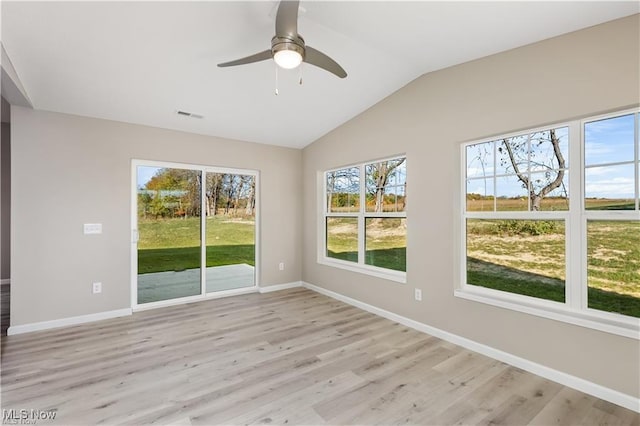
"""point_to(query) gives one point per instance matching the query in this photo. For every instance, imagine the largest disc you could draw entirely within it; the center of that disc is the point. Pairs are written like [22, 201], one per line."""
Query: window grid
[576, 220]
[527, 168]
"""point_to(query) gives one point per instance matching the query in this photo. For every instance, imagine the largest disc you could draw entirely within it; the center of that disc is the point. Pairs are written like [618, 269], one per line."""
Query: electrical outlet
[281, 266]
[97, 288]
[418, 295]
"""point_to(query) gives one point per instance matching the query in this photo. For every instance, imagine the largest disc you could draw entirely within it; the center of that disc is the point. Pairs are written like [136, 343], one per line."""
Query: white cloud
[479, 171]
[617, 187]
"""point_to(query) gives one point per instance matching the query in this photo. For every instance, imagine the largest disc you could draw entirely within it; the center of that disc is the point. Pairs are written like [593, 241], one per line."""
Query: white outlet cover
[97, 288]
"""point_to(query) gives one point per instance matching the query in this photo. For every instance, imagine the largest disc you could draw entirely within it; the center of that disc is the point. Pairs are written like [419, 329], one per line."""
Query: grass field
[385, 242]
[476, 203]
[506, 255]
[505, 279]
[174, 244]
[500, 256]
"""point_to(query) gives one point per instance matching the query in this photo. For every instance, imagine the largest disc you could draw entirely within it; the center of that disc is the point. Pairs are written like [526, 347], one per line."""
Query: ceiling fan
[288, 48]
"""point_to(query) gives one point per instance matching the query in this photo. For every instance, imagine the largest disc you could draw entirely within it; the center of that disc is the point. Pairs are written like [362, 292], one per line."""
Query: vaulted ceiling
[141, 62]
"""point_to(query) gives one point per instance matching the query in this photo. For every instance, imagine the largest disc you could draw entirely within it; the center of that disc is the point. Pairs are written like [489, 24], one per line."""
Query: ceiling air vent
[189, 114]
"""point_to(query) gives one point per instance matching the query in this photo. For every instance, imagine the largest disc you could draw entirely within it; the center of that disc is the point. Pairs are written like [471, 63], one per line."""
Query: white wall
[578, 74]
[69, 170]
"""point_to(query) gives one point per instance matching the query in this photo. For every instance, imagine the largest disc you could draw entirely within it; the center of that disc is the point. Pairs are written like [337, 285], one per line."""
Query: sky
[348, 180]
[145, 173]
[610, 141]
[607, 142]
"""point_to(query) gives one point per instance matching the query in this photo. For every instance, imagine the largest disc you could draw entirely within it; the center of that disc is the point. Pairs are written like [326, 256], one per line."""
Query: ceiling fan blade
[262, 56]
[319, 59]
[287, 19]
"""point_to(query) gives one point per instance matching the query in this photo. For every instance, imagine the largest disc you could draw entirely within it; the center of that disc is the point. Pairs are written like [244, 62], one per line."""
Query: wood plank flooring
[289, 357]
[5, 302]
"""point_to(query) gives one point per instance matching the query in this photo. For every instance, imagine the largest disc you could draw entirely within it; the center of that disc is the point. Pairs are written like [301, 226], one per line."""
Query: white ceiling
[141, 62]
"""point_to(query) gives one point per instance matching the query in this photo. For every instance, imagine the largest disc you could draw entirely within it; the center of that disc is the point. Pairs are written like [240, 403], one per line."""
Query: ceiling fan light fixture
[287, 59]
[288, 52]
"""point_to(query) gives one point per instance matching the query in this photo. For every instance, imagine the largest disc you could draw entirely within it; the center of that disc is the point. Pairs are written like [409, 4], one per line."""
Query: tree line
[343, 186]
[174, 193]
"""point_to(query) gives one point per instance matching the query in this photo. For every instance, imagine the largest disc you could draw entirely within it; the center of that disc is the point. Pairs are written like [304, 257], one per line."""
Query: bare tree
[378, 175]
[344, 185]
[331, 183]
[214, 187]
[521, 151]
[240, 186]
[251, 198]
[227, 191]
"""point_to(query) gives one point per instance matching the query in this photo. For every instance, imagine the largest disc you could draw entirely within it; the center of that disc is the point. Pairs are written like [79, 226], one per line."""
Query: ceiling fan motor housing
[294, 43]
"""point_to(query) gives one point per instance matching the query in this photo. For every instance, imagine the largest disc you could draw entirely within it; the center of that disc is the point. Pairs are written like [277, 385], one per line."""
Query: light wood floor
[289, 357]
[5, 300]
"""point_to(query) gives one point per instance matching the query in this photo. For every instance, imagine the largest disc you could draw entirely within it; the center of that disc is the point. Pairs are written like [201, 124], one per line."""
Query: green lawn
[221, 230]
[174, 244]
[392, 258]
[613, 256]
[497, 277]
[538, 286]
[386, 242]
[501, 256]
[179, 259]
[528, 257]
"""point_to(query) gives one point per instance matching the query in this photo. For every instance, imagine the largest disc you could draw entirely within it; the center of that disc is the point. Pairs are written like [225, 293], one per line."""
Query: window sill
[590, 318]
[387, 274]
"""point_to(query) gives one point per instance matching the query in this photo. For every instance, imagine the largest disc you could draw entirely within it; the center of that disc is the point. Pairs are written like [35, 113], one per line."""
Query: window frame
[362, 215]
[575, 309]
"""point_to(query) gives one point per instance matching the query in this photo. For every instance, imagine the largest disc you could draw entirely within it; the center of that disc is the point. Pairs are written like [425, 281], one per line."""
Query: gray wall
[70, 170]
[5, 192]
[578, 74]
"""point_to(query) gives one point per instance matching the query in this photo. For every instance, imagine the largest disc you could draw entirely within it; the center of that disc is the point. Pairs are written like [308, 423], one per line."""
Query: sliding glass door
[194, 231]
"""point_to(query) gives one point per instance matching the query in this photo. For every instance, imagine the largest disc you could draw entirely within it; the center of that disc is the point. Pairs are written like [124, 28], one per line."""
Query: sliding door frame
[203, 169]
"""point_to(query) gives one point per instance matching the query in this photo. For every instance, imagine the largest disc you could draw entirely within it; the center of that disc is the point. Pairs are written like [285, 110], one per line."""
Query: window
[516, 203]
[611, 174]
[364, 224]
[551, 222]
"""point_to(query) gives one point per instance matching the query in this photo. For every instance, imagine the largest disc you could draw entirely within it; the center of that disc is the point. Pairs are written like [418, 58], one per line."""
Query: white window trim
[361, 215]
[575, 309]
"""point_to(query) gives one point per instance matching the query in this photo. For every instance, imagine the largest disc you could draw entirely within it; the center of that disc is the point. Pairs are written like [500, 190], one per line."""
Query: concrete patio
[158, 286]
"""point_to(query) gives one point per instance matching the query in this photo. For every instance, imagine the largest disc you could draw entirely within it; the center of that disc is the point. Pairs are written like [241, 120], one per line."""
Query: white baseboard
[65, 322]
[278, 287]
[574, 382]
[5, 281]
